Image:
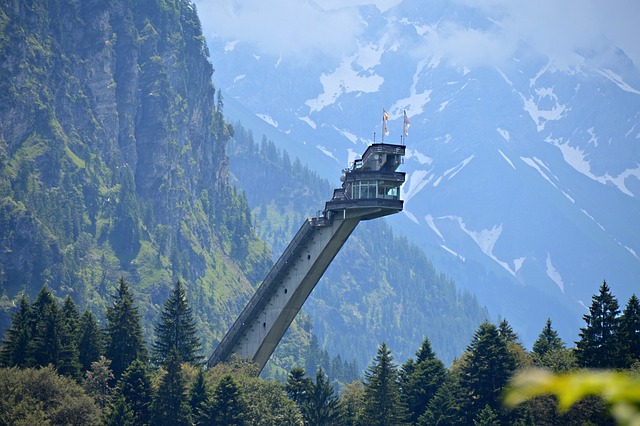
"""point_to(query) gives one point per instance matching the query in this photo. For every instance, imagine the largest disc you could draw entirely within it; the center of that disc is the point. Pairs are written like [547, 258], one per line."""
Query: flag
[385, 118]
[407, 123]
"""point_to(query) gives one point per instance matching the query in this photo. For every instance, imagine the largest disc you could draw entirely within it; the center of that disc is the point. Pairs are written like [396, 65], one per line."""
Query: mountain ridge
[524, 164]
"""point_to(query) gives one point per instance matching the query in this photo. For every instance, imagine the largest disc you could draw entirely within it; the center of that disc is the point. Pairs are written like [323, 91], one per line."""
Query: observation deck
[370, 189]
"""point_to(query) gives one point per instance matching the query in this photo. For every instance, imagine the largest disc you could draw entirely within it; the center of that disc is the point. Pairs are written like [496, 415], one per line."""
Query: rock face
[112, 157]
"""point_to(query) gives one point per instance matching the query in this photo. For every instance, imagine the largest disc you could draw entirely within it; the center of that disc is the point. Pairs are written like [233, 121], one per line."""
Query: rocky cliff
[112, 159]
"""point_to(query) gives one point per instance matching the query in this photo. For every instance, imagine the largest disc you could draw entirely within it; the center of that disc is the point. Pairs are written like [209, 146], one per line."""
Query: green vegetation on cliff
[112, 162]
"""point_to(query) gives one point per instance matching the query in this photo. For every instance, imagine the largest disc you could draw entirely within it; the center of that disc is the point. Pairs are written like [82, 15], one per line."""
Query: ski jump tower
[370, 189]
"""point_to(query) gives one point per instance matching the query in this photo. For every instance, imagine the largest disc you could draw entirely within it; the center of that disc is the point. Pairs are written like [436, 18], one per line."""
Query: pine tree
[548, 340]
[124, 341]
[506, 331]
[91, 342]
[630, 332]
[486, 371]
[170, 405]
[227, 407]
[122, 415]
[420, 380]
[13, 352]
[198, 400]
[599, 345]
[445, 409]
[487, 417]
[298, 386]
[321, 404]
[69, 361]
[135, 387]
[382, 394]
[177, 330]
[46, 343]
[71, 315]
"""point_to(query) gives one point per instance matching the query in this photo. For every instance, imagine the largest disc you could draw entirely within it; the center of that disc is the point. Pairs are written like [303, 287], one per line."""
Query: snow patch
[455, 170]
[268, 119]
[553, 273]
[414, 104]
[535, 164]
[507, 159]
[429, 219]
[593, 219]
[485, 239]
[594, 139]
[632, 251]
[309, 121]
[420, 157]
[238, 78]
[326, 152]
[517, 263]
[443, 105]
[230, 45]
[504, 134]
[353, 138]
[576, 158]
[354, 74]
[459, 256]
[417, 180]
[410, 216]
[607, 73]
[542, 116]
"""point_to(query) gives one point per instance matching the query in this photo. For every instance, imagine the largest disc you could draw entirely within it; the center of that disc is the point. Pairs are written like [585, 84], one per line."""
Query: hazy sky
[556, 28]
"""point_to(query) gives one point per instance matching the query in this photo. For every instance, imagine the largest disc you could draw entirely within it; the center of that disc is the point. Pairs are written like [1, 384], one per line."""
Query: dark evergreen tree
[199, 399]
[121, 415]
[630, 332]
[445, 408]
[506, 331]
[91, 341]
[321, 404]
[177, 330]
[71, 315]
[599, 346]
[486, 371]
[46, 341]
[383, 405]
[314, 355]
[13, 352]
[227, 407]
[487, 417]
[124, 341]
[298, 385]
[547, 341]
[420, 380]
[135, 387]
[171, 403]
[69, 361]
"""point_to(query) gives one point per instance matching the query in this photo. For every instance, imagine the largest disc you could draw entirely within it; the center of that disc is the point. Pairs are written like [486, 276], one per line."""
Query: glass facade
[387, 190]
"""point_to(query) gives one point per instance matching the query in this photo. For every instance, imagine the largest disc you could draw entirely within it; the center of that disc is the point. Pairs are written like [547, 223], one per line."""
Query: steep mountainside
[112, 160]
[379, 288]
[523, 176]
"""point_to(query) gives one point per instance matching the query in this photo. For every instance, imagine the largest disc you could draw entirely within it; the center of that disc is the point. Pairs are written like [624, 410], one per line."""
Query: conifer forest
[60, 367]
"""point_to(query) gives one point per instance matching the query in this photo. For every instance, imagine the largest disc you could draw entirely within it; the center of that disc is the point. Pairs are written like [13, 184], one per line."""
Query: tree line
[61, 368]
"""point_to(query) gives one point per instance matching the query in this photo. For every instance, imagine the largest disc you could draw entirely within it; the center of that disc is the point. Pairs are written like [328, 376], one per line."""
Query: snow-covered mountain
[523, 164]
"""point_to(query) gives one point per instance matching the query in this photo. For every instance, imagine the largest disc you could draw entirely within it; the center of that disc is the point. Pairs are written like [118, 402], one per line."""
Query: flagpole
[382, 137]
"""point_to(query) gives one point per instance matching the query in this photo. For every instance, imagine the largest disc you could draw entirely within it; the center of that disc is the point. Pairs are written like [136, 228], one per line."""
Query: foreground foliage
[175, 390]
[620, 391]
